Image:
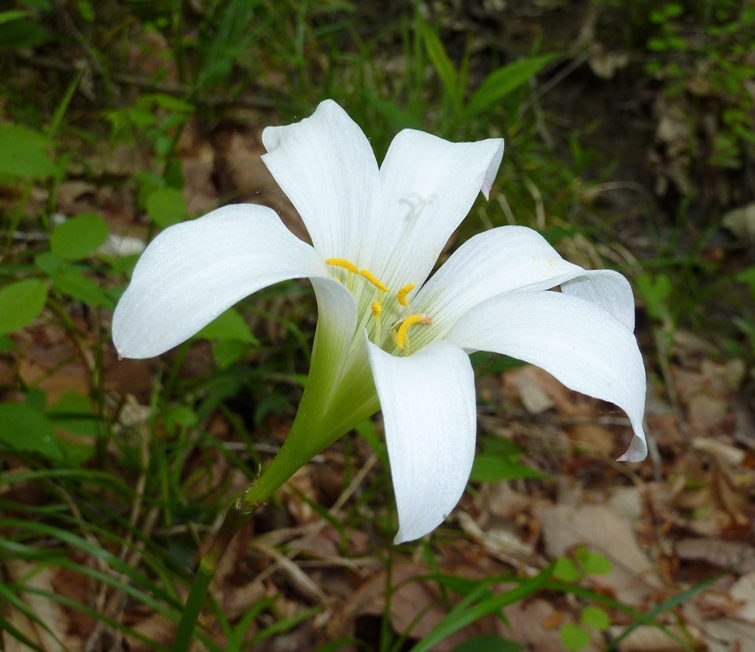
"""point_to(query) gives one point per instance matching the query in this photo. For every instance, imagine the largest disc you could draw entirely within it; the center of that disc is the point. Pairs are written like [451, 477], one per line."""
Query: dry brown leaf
[70, 378]
[605, 63]
[718, 553]
[534, 399]
[24, 626]
[741, 222]
[724, 452]
[157, 627]
[76, 587]
[414, 604]
[529, 624]
[602, 530]
[729, 635]
[48, 611]
[743, 592]
[240, 159]
[502, 501]
[650, 639]
[199, 191]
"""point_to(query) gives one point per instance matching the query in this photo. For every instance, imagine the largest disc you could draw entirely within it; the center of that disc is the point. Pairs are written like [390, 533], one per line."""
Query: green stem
[238, 514]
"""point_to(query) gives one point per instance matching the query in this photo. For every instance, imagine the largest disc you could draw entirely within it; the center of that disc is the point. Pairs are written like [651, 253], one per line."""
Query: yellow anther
[342, 262]
[376, 309]
[403, 292]
[373, 279]
[404, 328]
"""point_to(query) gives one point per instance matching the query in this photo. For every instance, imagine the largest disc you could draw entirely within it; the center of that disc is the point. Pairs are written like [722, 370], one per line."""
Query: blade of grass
[457, 620]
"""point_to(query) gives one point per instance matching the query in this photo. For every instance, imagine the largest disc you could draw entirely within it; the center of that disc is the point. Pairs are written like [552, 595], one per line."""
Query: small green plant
[710, 61]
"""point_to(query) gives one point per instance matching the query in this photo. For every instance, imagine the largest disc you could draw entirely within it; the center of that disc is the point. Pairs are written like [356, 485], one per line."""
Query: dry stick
[117, 599]
[310, 531]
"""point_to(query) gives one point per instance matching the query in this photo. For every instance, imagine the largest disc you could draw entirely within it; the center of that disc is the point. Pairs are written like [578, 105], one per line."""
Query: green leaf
[85, 10]
[488, 644]
[37, 399]
[394, 114]
[21, 303]
[228, 326]
[72, 282]
[182, 416]
[442, 64]
[170, 103]
[6, 344]
[7, 16]
[574, 637]
[593, 562]
[22, 33]
[226, 352]
[566, 570]
[23, 152]
[655, 292]
[74, 412]
[167, 206]
[595, 617]
[489, 467]
[499, 83]
[49, 263]
[78, 237]
[26, 429]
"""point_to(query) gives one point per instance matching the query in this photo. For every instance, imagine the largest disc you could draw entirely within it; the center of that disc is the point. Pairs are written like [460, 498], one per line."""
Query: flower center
[378, 305]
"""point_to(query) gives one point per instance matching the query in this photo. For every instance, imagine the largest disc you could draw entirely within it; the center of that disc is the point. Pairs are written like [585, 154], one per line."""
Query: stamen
[404, 328]
[342, 262]
[376, 309]
[403, 292]
[374, 280]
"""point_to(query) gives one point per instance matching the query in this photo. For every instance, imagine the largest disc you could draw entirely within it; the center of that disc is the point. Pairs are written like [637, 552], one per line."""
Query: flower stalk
[238, 514]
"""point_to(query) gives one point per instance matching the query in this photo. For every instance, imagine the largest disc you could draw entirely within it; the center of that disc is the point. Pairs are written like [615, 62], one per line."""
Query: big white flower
[387, 337]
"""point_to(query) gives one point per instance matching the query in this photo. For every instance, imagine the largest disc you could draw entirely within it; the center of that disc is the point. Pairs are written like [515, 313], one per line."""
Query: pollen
[343, 263]
[408, 322]
[403, 292]
[376, 309]
[374, 280]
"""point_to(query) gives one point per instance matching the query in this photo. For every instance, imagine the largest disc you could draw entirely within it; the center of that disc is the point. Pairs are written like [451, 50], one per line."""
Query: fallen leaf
[602, 530]
[48, 611]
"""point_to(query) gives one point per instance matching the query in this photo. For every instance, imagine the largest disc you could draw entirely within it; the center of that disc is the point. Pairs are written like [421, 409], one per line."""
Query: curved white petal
[607, 289]
[428, 403]
[581, 344]
[336, 325]
[428, 187]
[327, 168]
[193, 271]
[502, 260]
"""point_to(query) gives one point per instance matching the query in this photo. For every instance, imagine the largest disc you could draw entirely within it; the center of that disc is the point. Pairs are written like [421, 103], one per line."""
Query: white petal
[327, 168]
[607, 289]
[428, 403]
[336, 325]
[429, 185]
[195, 270]
[502, 260]
[581, 344]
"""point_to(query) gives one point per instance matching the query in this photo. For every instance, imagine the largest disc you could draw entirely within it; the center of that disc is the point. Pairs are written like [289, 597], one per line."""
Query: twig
[538, 197]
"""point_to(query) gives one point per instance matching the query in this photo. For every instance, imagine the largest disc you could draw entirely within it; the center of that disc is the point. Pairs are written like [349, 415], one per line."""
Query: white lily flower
[387, 337]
